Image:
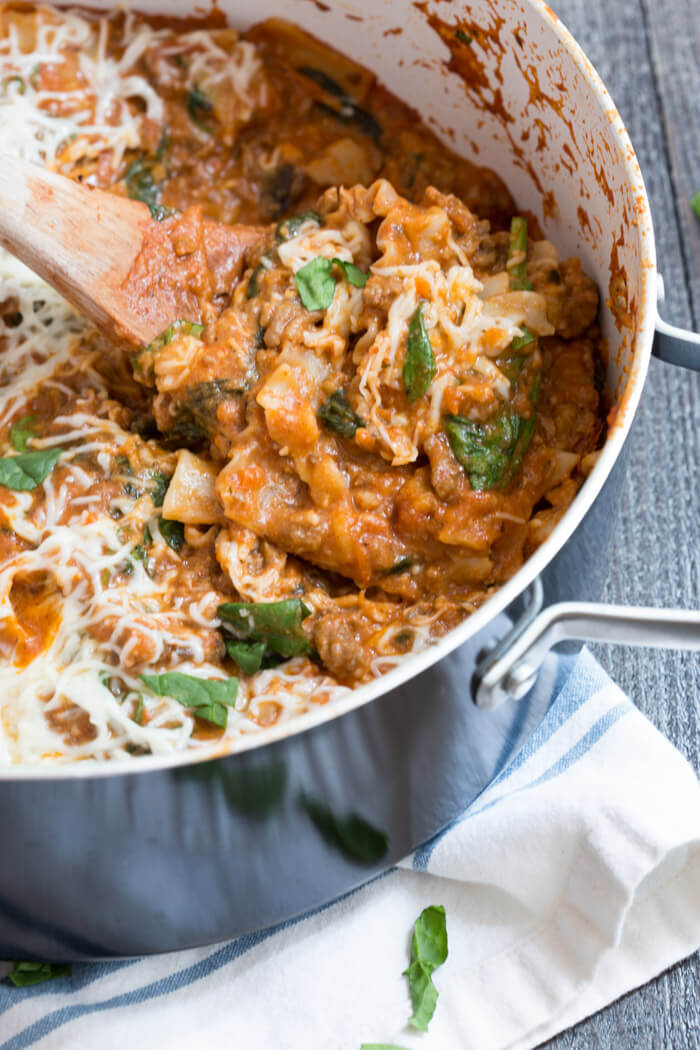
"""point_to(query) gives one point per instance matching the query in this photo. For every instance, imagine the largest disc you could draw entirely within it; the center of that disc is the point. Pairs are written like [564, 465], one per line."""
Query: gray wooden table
[648, 54]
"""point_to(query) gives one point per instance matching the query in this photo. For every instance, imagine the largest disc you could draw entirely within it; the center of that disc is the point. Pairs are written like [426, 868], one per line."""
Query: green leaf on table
[21, 432]
[419, 364]
[428, 951]
[24, 472]
[277, 624]
[337, 415]
[25, 974]
[208, 697]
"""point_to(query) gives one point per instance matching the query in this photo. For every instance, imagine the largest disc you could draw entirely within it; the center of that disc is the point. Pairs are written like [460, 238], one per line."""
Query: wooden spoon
[132, 276]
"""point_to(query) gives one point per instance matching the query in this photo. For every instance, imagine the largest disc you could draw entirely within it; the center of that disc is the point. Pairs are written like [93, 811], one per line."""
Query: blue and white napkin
[573, 878]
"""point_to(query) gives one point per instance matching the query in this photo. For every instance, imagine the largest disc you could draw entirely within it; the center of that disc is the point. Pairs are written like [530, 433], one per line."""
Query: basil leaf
[199, 109]
[519, 280]
[352, 835]
[316, 284]
[248, 655]
[525, 339]
[173, 532]
[217, 714]
[353, 273]
[21, 431]
[208, 697]
[695, 203]
[160, 487]
[24, 472]
[428, 951]
[25, 974]
[288, 228]
[337, 415]
[419, 364]
[483, 449]
[277, 624]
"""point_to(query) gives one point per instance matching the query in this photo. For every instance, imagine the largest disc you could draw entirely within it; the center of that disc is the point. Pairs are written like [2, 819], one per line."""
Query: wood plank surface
[648, 53]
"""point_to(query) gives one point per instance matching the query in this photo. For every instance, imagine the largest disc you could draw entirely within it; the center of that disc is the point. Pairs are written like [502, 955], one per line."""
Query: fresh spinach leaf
[199, 109]
[24, 974]
[492, 452]
[483, 449]
[352, 835]
[428, 951]
[277, 624]
[419, 364]
[160, 483]
[337, 415]
[519, 281]
[173, 532]
[288, 228]
[21, 431]
[208, 697]
[141, 185]
[316, 283]
[195, 413]
[24, 472]
[248, 655]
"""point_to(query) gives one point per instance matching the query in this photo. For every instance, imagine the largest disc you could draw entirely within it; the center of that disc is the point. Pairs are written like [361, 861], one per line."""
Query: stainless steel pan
[165, 853]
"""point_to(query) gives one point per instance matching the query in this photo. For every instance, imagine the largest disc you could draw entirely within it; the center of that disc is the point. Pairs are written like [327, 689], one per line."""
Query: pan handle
[510, 669]
[675, 345]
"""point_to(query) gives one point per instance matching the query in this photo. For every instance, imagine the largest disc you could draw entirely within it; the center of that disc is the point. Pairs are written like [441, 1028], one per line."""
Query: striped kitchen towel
[573, 878]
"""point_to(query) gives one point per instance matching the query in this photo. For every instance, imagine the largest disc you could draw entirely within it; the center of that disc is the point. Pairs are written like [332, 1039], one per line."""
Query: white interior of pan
[561, 122]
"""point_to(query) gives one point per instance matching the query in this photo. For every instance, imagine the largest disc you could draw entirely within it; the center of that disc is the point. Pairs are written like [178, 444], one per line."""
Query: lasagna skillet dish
[331, 465]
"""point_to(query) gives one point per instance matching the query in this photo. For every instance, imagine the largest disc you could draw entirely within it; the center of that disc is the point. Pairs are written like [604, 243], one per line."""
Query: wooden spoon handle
[108, 257]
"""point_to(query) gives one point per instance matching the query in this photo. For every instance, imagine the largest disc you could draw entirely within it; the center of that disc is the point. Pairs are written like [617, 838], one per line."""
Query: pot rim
[414, 665]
